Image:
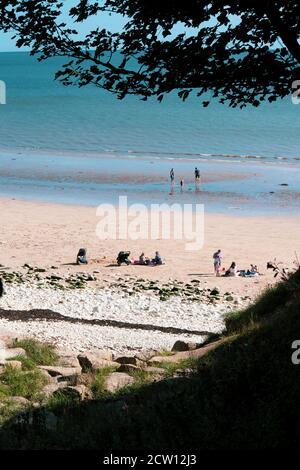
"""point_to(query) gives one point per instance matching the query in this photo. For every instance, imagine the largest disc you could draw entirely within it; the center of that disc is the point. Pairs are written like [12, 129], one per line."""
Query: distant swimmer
[172, 175]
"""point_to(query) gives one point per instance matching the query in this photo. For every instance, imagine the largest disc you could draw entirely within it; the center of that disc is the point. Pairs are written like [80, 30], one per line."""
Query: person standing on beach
[217, 257]
[172, 175]
[197, 178]
[181, 185]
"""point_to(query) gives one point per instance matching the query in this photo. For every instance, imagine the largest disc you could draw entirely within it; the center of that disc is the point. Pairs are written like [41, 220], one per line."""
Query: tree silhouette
[242, 52]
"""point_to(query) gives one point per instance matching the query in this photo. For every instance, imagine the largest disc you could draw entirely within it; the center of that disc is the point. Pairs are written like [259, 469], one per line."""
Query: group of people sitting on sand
[123, 257]
[232, 271]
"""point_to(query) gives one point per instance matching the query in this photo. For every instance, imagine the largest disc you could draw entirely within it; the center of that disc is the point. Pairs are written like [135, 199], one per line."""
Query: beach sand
[46, 235]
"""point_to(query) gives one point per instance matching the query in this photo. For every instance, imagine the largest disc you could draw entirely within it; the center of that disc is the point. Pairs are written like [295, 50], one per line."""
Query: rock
[19, 400]
[28, 266]
[116, 381]
[183, 372]
[61, 371]
[50, 389]
[47, 375]
[39, 270]
[183, 346]
[180, 356]
[71, 380]
[15, 364]
[128, 368]
[215, 291]
[155, 370]
[95, 361]
[11, 352]
[146, 356]
[68, 360]
[80, 392]
[229, 298]
[133, 360]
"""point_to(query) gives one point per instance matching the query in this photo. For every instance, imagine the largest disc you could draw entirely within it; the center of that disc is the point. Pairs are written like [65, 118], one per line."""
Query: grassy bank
[243, 394]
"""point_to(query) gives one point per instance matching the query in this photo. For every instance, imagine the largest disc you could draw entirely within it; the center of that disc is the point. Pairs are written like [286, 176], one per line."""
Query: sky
[113, 23]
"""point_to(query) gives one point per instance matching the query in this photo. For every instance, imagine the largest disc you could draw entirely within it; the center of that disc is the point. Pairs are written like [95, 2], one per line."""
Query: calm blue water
[53, 137]
[42, 114]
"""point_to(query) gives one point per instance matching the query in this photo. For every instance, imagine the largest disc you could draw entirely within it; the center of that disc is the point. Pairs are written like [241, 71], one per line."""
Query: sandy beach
[46, 237]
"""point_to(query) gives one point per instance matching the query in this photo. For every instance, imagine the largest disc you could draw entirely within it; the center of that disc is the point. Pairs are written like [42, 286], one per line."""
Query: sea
[84, 146]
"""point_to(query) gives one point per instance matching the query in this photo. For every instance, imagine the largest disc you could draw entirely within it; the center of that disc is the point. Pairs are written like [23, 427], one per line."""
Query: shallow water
[83, 146]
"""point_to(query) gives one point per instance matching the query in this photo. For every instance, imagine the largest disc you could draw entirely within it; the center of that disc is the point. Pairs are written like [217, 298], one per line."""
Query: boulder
[128, 368]
[91, 362]
[19, 401]
[50, 389]
[68, 360]
[71, 380]
[11, 352]
[116, 381]
[15, 364]
[180, 356]
[215, 291]
[61, 371]
[47, 375]
[183, 346]
[146, 356]
[155, 370]
[133, 360]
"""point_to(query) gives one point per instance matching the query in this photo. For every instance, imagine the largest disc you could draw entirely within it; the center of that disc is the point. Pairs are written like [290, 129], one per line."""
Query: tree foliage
[242, 52]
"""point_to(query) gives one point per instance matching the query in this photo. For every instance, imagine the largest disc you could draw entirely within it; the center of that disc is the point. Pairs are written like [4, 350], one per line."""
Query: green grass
[98, 382]
[61, 401]
[39, 353]
[27, 384]
[27, 363]
[4, 391]
[164, 352]
[171, 367]
[140, 376]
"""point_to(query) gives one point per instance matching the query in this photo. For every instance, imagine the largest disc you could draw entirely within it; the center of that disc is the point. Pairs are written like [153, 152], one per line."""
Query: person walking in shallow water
[197, 179]
[172, 175]
[181, 185]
